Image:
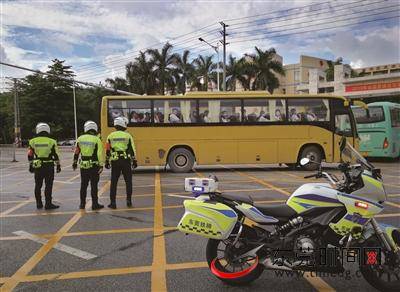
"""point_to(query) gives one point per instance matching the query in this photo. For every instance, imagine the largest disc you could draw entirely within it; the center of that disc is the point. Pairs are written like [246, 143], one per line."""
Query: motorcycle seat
[238, 198]
[282, 211]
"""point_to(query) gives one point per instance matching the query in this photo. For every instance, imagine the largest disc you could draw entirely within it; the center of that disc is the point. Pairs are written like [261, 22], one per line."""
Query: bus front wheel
[314, 154]
[181, 160]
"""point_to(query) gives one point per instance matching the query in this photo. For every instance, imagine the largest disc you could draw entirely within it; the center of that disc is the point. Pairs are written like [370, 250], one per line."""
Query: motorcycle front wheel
[384, 277]
[221, 261]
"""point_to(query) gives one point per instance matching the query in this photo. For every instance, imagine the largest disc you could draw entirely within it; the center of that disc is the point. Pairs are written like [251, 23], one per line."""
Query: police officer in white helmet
[90, 149]
[42, 156]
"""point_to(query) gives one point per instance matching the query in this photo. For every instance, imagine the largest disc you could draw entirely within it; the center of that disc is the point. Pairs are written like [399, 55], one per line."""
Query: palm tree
[185, 70]
[265, 67]
[117, 83]
[235, 72]
[330, 72]
[140, 75]
[204, 66]
[163, 62]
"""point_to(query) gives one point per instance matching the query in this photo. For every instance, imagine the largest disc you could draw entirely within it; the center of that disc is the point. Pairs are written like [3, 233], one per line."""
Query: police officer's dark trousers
[90, 175]
[44, 173]
[117, 167]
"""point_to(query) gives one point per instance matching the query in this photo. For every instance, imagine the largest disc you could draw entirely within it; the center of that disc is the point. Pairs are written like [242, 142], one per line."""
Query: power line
[73, 81]
[161, 43]
[276, 11]
[313, 24]
[297, 17]
[127, 57]
[313, 30]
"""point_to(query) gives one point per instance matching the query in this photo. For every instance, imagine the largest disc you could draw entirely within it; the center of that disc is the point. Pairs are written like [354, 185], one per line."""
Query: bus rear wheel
[314, 154]
[181, 160]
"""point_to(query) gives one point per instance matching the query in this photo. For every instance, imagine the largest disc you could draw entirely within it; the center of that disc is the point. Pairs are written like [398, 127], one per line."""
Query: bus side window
[175, 111]
[263, 110]
[343, 125]
[395, 117]
[139, 111]
[308, 110]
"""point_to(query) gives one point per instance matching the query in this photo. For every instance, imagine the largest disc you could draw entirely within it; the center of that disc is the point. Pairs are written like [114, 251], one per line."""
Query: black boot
[129, 202]
[98, 207]
[112, 205]
[82, 206]
[51, 206]
[39, 204]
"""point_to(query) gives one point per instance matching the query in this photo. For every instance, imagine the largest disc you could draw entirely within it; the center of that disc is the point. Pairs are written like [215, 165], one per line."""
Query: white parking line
[62, 247]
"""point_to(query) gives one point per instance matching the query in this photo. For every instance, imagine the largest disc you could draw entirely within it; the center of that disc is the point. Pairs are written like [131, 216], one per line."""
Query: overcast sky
[99, 37]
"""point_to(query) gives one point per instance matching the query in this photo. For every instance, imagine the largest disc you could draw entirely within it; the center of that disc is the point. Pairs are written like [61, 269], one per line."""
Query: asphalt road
[139, 249]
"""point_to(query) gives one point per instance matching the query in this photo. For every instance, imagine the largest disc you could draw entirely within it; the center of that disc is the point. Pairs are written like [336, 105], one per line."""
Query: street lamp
[216, 50]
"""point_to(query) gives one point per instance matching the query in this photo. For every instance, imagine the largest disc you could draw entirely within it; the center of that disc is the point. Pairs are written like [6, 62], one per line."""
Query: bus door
[343, 126]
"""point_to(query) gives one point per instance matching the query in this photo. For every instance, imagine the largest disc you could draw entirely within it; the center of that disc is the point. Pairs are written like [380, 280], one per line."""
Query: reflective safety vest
[43, 149]
[119, 141]
[91, 150]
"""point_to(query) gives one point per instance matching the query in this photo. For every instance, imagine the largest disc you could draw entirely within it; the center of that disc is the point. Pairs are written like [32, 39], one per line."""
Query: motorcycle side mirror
[304, 161]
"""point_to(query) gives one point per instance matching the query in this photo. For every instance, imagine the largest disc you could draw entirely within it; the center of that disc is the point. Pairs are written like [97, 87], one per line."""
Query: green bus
[378, 127]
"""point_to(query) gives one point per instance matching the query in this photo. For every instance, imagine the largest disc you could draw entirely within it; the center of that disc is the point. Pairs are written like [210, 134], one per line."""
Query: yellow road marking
[317, 282]
[393, 204]
[5, 213]
[92, 232]
[12, 209]
[73, 212]
[106, 272]
[26, 268]
[388, 215]
[183, 266]
[263, 182]
[391, 185]
[394, 195]
[158, 277]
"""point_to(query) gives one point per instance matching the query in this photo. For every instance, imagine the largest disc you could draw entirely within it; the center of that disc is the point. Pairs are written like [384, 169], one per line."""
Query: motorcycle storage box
[208, 219]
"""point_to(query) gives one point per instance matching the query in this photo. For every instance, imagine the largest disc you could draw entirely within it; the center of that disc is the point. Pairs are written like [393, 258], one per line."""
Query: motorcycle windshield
[351, 155]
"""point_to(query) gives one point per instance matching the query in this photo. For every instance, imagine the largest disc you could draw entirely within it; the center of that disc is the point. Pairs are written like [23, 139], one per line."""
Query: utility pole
[16, 119]
[224, 43]
[75, 119]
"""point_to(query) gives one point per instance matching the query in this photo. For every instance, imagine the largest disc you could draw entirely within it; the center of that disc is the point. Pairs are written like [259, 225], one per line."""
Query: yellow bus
[250, 127]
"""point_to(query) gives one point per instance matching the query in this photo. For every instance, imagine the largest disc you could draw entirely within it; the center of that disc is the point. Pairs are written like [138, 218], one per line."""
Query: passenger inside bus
[175, 116]
[294, 116]
[224, 117]
[278, 115]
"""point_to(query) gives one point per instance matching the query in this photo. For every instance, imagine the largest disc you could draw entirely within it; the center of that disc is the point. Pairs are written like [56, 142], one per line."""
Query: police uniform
[121, 151]
[42, 155]
[90, 147]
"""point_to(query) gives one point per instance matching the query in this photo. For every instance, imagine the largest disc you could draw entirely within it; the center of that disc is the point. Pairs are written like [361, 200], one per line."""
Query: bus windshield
[373, 114]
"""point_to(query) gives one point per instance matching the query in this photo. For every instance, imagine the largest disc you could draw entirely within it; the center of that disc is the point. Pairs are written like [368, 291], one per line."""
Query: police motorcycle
[309, 232]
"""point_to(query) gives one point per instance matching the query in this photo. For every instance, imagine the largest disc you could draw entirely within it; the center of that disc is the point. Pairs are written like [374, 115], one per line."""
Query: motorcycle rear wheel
[240, 275]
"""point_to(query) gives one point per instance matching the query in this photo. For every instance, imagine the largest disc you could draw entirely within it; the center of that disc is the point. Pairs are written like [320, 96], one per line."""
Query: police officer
[120, 149]
[90, 147]
[42, 155]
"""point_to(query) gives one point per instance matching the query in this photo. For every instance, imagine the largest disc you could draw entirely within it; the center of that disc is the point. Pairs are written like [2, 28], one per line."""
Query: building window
[395, 70]
[380, 72]
[296, 75]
